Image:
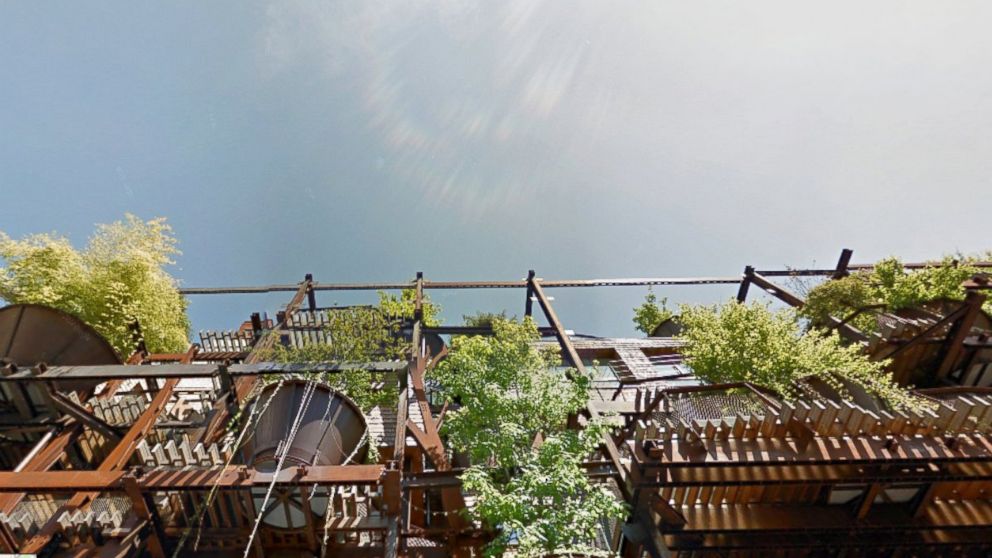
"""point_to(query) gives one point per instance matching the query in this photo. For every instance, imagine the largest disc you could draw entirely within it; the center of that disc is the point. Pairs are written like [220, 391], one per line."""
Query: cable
[201, 510]
[307, 396]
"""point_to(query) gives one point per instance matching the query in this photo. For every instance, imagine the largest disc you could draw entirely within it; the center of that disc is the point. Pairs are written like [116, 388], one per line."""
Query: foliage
[485, 319]
[651, 314]
[549, 505]
[403, 306]
[361, 334]
[889, 285]
[750, 343]
[119, 278]
[510, 393]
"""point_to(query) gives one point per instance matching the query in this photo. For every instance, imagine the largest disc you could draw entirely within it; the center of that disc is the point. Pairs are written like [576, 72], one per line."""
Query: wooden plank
[115, 461]
[42, 461]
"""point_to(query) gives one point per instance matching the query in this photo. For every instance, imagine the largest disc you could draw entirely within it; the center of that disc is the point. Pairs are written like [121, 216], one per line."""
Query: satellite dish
[32, 333]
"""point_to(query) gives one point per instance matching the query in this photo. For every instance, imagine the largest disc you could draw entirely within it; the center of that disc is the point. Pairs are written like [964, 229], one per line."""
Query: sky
[365, 141]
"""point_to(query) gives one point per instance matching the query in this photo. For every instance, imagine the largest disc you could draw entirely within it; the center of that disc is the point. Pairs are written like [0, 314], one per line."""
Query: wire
[300, 413]
[200, 511]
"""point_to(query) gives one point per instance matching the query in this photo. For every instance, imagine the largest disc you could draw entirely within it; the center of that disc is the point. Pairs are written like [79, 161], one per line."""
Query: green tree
[404, 306]
[119, 278]
[485, 319]
[510, 393]
[889, 286]
[359, 335]
[651, 314]
[739, 342]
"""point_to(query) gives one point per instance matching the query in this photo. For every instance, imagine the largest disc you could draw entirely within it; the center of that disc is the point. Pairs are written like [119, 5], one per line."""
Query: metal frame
[403, 485]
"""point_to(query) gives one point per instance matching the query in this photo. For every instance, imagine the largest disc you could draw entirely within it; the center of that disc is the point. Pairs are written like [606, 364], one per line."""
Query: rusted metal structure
[114, 459]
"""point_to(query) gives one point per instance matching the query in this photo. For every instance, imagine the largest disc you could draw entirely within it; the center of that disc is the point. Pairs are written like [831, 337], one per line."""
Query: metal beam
[115, 461]
[778, 292]
[205, 478]
[576, 361]
[142, 510]
[842, 264]
[959, 332]
[745, 284]
[107, 372]
[42, 460]
[79, 413]
[613, 282]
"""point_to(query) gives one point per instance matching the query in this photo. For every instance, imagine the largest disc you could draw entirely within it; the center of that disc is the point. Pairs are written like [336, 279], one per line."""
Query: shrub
[739, 342]
[538, 498]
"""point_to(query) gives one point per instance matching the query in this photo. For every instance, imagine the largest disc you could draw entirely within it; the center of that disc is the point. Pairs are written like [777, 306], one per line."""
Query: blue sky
[369, 140]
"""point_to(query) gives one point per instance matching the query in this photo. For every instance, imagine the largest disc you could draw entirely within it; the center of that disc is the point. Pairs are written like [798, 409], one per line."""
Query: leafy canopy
[651, 314]
[509, 393]
[548, 505]
[119, 278]
[404, 306]
[890, 286]
[739, 342]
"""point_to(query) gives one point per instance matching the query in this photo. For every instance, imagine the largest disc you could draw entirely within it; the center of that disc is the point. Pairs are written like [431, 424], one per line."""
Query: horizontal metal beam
[161, 479]
[476, 330]
[123, 371]
[522, 283]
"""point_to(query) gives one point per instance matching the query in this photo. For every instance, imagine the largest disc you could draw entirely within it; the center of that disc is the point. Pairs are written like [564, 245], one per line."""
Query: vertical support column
[745, 283]
[529, 305]
[959, 332]
[256, 326]
[141, 509]
[430, 439]
[845, 259]
[311, 296]
[393, 504]
[418, 303]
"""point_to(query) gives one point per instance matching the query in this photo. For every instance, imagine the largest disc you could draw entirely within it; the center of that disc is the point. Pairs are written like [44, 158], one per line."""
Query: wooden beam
[42, 461]
[778, 292]
[745, 284]
[955, 340]
[572, 355]
[143, 511]
[845, 259]
[874, 489]
[79, 413]
[161, 479]
[115, 461]
[244, 385]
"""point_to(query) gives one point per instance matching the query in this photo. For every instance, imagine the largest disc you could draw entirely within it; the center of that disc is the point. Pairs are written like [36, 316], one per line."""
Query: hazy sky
[368, 140]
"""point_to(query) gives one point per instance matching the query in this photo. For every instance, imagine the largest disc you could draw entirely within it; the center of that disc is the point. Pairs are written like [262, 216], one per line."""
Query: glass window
[898, 494]
[600, 369]
[846, 493]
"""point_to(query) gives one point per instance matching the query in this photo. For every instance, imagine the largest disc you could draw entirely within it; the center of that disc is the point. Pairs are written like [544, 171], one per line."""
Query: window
[898, 494]
[846, 493]
[602, 371]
